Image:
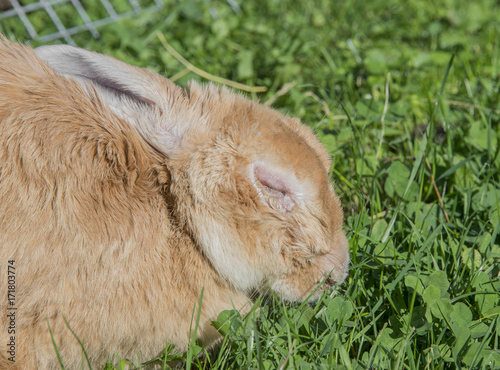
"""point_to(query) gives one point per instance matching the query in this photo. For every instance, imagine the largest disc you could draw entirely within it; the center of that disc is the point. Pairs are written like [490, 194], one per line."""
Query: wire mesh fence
[48, 20]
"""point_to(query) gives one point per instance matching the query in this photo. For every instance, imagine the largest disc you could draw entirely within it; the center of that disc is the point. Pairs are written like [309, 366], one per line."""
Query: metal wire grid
[21, 11]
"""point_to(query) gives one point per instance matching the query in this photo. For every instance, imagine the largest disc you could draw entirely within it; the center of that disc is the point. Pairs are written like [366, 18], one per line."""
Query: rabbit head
[249, 185]
[269, 216]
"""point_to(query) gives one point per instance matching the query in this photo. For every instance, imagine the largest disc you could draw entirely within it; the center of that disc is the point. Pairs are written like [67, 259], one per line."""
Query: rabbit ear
[108, 74]
[278, 186]
[137, 95]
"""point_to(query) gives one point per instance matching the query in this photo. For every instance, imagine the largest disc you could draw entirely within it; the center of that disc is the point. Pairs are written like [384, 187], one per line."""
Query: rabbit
[124, 196]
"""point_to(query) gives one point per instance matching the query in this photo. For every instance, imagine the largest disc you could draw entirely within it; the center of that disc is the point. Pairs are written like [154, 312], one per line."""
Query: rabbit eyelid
[278, 187]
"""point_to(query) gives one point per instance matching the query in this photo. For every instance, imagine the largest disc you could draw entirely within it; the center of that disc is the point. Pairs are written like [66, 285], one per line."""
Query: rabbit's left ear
[111, 76]
[137, 95]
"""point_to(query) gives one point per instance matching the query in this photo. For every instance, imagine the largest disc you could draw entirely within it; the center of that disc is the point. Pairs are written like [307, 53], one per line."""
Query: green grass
[405, 96]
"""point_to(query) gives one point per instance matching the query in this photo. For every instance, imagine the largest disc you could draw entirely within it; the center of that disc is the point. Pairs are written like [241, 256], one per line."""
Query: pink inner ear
[276, 188]
[271, 180]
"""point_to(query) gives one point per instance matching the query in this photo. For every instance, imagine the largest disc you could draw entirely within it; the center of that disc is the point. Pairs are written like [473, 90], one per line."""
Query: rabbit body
[123, 196]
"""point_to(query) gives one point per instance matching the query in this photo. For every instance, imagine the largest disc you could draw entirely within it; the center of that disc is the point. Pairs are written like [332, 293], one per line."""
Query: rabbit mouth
[309, 280]
[334, 278]
[330, 282]
[296, 291]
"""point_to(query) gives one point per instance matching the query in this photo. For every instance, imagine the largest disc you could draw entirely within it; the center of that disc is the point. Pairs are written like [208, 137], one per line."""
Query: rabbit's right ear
[137, 95]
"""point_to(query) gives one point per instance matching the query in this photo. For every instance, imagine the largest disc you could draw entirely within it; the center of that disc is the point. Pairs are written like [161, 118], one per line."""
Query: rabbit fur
[122, 196]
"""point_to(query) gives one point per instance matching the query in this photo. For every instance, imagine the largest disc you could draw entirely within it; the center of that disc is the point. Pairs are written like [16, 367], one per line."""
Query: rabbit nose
[330, 281]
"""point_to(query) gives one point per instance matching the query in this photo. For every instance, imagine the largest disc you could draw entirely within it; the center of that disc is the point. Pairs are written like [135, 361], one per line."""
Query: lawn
[405, 96]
